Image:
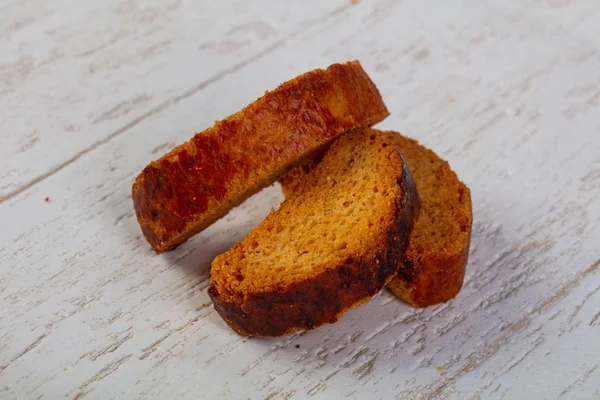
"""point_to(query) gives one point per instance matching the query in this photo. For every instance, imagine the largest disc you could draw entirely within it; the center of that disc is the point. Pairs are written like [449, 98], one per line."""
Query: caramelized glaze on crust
[201, 180]
[269, 296]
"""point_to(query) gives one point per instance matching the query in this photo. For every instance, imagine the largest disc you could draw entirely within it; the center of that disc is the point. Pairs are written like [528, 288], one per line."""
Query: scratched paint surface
[507, 91]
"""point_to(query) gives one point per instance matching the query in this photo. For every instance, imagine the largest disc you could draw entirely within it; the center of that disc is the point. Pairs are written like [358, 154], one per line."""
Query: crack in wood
[27, 349]
[483, 353]
[104, 372]
[579, 381]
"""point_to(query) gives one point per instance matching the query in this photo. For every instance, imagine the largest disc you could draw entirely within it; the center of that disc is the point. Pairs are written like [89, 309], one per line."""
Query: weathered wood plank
[507, 91]
[94, 71]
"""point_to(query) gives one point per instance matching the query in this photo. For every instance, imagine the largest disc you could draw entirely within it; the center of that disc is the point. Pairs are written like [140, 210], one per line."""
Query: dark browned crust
[421, 282]
[326, 297]
[433, 280]
[200, 181]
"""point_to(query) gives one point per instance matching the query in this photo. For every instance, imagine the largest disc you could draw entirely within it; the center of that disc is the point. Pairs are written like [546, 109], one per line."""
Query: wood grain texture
[120, 56]
[507, 91]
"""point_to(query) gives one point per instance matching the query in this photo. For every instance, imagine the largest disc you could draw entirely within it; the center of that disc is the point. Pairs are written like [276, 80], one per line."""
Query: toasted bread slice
[332, 244]
[436, 259]
[200, 181]
[433, 269]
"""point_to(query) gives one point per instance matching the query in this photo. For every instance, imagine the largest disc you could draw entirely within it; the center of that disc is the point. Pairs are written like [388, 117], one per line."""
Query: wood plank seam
[166, 104]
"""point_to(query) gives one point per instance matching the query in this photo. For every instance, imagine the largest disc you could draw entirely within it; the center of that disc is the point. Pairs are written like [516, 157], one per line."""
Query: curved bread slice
[434, 266]
[436, 259]
[200, 181]
[332, 245]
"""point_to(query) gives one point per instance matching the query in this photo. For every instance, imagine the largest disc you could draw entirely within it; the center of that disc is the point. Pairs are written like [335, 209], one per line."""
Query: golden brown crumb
[330, 246]
[433, 268]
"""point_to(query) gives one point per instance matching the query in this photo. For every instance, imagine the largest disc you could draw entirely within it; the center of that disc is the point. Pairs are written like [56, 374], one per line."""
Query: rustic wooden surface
[508, 91]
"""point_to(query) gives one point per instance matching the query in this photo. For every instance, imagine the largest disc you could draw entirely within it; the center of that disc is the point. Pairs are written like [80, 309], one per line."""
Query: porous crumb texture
[332, 244]
[294, 178]
[200, 181]
[433, 269]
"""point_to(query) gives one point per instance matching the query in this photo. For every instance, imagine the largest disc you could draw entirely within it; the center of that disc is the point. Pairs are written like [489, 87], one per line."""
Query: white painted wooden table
[507, 90]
